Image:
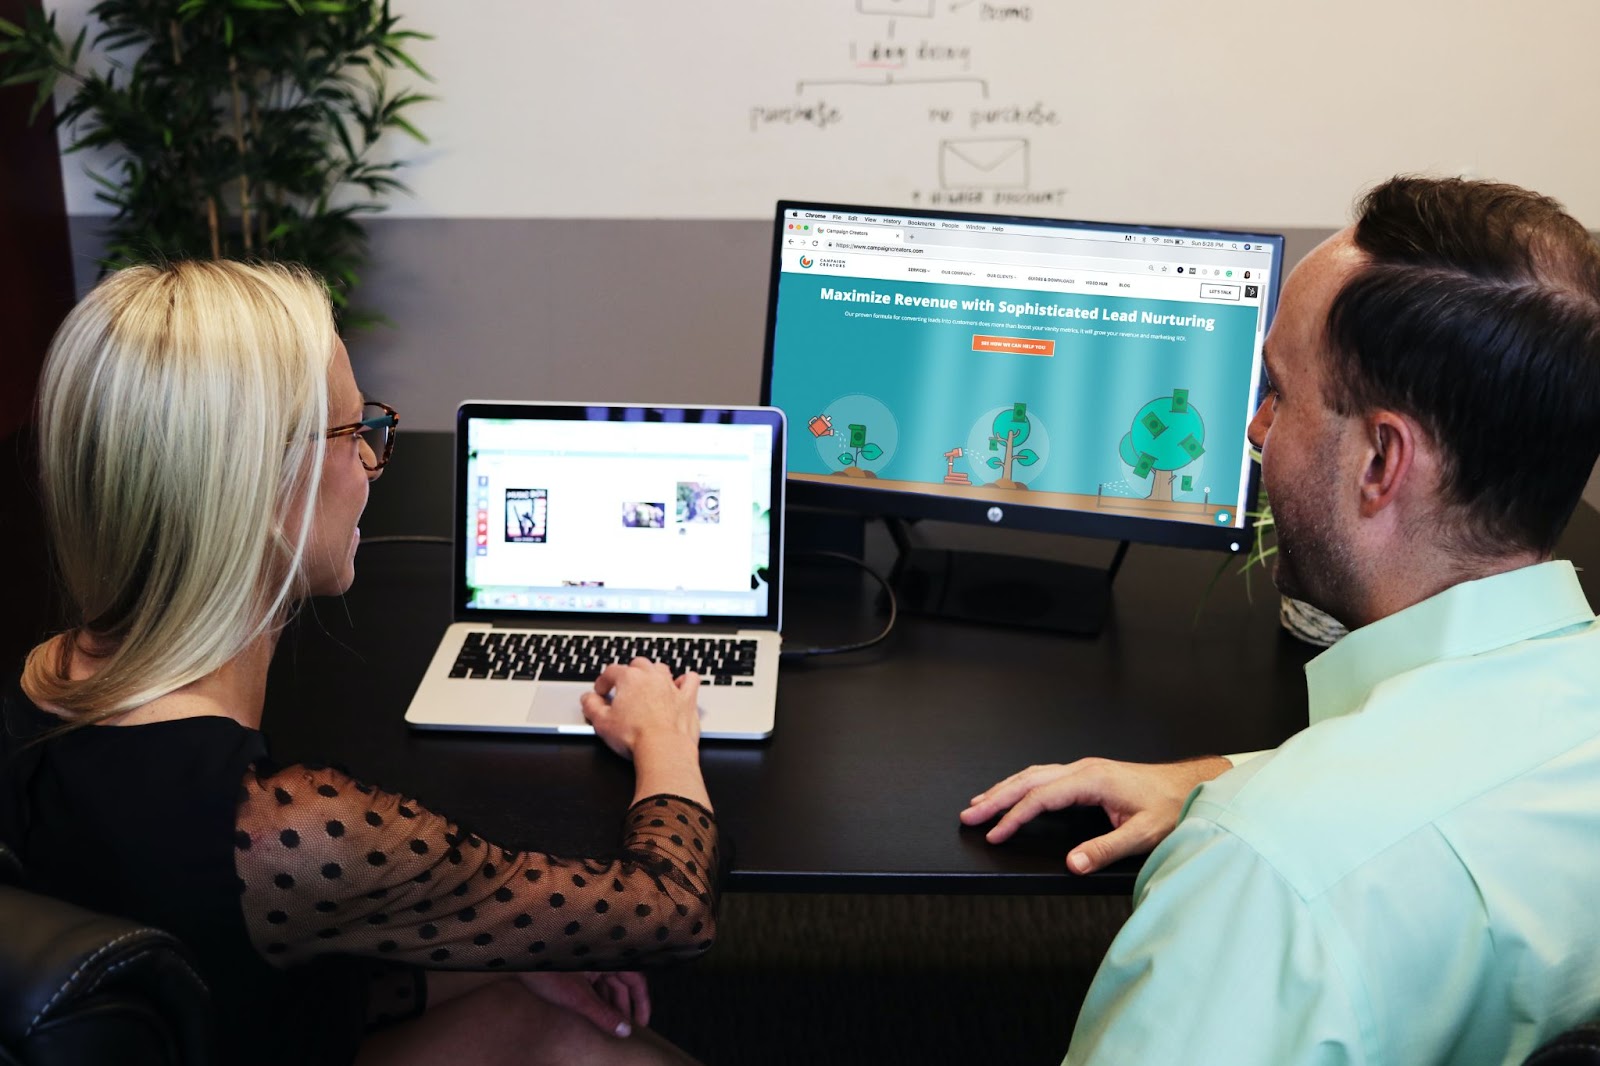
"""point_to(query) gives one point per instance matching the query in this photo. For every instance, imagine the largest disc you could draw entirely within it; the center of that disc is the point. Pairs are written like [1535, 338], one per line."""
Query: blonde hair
[182, 417]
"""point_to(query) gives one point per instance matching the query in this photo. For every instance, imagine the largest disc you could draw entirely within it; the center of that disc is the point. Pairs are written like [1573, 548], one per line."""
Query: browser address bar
[997, 257]
[882, 249]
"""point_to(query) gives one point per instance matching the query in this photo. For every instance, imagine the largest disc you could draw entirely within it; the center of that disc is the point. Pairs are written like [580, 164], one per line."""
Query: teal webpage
[1129, 405]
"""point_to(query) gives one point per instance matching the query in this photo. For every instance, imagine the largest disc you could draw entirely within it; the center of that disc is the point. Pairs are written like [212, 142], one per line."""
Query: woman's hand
[644, 714]
[641, 702]
[614, 1002]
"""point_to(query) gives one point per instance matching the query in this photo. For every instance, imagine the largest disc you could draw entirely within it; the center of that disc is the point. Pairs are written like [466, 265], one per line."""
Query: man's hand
[614, 1002]
[1142, 800]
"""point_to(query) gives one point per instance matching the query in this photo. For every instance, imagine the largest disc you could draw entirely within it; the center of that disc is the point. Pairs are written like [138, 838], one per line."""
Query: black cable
[407, 538]
[790, 655]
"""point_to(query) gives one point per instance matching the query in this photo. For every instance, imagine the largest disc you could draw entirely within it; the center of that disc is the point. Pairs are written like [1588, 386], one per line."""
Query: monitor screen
[1079, 377]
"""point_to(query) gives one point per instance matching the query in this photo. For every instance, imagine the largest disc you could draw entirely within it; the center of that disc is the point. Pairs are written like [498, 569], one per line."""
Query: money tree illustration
[1010, 429]
[861, 451]
[1167, 435]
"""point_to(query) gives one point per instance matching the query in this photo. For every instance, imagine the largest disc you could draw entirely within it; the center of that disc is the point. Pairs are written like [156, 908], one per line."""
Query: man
[1410, 879]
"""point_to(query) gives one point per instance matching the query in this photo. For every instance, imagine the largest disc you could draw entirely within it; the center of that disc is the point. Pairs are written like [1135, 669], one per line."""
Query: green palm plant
[237, 128]
[1263, 536]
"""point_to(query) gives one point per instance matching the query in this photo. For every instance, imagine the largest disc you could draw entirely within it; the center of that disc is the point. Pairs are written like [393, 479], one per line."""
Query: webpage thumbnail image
[1124, 406]
[526, 511]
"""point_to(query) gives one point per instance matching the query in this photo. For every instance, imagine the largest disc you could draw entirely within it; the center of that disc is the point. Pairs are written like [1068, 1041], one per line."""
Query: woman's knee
[503, 1023]
[530, 1031]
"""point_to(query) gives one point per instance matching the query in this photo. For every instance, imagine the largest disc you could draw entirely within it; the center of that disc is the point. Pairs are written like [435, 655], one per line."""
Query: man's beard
[1313, 562]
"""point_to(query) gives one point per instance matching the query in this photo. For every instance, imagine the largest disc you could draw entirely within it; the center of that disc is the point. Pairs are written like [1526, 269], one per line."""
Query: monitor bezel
[875, 502]
[770, 417]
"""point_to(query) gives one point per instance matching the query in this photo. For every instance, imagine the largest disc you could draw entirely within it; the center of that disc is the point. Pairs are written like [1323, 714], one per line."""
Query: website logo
[806, 261]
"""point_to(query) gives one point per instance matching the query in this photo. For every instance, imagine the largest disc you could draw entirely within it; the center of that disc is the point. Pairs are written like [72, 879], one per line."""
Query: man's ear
[1394, 443]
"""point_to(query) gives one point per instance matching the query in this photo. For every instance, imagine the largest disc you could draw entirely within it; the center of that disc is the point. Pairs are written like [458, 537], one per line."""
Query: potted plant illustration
[860, 450]
[1167, 435]
[1010, 429]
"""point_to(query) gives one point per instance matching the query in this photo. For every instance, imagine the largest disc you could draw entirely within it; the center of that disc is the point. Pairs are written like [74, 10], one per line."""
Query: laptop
[587, 534]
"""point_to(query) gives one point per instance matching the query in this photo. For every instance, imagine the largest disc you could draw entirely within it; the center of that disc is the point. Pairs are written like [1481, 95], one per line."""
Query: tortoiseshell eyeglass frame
[389, 419]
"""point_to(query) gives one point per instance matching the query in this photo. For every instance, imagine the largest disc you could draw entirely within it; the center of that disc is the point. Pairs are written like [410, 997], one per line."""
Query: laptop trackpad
[555, 706]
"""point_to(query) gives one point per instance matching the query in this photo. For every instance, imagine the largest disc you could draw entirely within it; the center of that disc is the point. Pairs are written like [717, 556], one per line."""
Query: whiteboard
[1251, 114]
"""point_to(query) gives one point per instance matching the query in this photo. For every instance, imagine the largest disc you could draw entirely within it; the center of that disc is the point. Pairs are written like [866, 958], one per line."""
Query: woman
[205, 456]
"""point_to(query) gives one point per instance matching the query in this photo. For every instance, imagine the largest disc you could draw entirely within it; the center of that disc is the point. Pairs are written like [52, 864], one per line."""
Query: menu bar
[906, 226]
[1086, 277]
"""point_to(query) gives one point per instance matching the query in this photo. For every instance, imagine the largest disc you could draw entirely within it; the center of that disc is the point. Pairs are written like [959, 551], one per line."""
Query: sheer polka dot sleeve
[328, 864]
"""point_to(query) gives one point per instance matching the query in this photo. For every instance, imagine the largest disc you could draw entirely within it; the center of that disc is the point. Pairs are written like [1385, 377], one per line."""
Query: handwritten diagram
[919, 63]
[908, 8]
[983, 162]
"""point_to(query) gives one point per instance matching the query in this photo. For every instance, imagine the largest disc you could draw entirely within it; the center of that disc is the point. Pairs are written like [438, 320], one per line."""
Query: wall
[1161, 111]
[35, 294]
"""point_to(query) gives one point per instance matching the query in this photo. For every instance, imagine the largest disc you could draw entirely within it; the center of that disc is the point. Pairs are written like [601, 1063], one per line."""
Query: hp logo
[995, 514]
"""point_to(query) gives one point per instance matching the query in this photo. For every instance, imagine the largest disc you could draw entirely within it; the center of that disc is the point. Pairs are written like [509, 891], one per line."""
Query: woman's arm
[329, 864]
[643, 714]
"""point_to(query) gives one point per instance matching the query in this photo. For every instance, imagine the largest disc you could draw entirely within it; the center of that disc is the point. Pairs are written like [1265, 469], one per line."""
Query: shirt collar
[1466, 619]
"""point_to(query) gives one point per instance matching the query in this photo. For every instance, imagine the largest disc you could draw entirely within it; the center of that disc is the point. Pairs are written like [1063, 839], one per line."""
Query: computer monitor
[1076, 377]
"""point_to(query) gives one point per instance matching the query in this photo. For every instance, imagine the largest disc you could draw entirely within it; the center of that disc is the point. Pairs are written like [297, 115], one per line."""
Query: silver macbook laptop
[589, 534]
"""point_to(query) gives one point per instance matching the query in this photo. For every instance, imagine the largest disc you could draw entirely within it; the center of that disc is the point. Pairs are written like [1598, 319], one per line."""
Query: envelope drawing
[906, 8]
[984, 162]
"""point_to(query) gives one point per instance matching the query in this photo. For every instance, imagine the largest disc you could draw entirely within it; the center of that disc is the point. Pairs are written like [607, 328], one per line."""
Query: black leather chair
[1575, 1047]
[83, 988]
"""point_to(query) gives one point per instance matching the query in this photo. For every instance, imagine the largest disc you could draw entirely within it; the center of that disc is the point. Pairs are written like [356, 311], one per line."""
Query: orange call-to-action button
[1012, 345]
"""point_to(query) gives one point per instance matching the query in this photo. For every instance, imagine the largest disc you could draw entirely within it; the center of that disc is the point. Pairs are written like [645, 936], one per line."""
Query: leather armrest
[76, 984]
[1575, 1047]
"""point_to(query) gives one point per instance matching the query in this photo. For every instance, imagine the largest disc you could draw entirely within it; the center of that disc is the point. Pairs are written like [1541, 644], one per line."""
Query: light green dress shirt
[1413, 879]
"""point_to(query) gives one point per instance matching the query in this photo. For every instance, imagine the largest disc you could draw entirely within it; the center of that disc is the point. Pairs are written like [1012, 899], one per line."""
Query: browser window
[1078, 366]
[623, 517]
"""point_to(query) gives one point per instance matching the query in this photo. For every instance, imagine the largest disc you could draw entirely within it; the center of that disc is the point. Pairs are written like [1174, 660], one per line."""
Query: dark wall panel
[35, 293]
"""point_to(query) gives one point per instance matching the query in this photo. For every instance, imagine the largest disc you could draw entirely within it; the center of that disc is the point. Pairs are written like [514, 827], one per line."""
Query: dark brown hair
[1478, 314]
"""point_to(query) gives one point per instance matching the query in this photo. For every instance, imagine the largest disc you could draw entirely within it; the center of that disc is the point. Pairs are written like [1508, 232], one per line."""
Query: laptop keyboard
[500, 655]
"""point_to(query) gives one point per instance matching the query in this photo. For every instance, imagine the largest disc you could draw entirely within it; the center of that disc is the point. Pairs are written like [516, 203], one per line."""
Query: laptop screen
[658, 513]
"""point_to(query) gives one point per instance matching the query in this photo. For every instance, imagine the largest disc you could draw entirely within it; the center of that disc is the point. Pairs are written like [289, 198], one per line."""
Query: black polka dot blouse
[327, 864]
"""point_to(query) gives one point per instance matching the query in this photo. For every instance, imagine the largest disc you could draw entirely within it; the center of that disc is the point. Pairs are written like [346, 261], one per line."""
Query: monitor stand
[1005, 590]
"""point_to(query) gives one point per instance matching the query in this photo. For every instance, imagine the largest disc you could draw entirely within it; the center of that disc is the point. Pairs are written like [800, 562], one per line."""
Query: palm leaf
[195, 99]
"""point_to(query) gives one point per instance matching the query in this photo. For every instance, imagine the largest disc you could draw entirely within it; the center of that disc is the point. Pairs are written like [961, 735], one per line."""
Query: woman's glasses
[376, 429]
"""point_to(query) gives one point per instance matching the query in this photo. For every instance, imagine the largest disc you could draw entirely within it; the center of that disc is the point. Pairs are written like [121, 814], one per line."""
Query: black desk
[873, 755]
